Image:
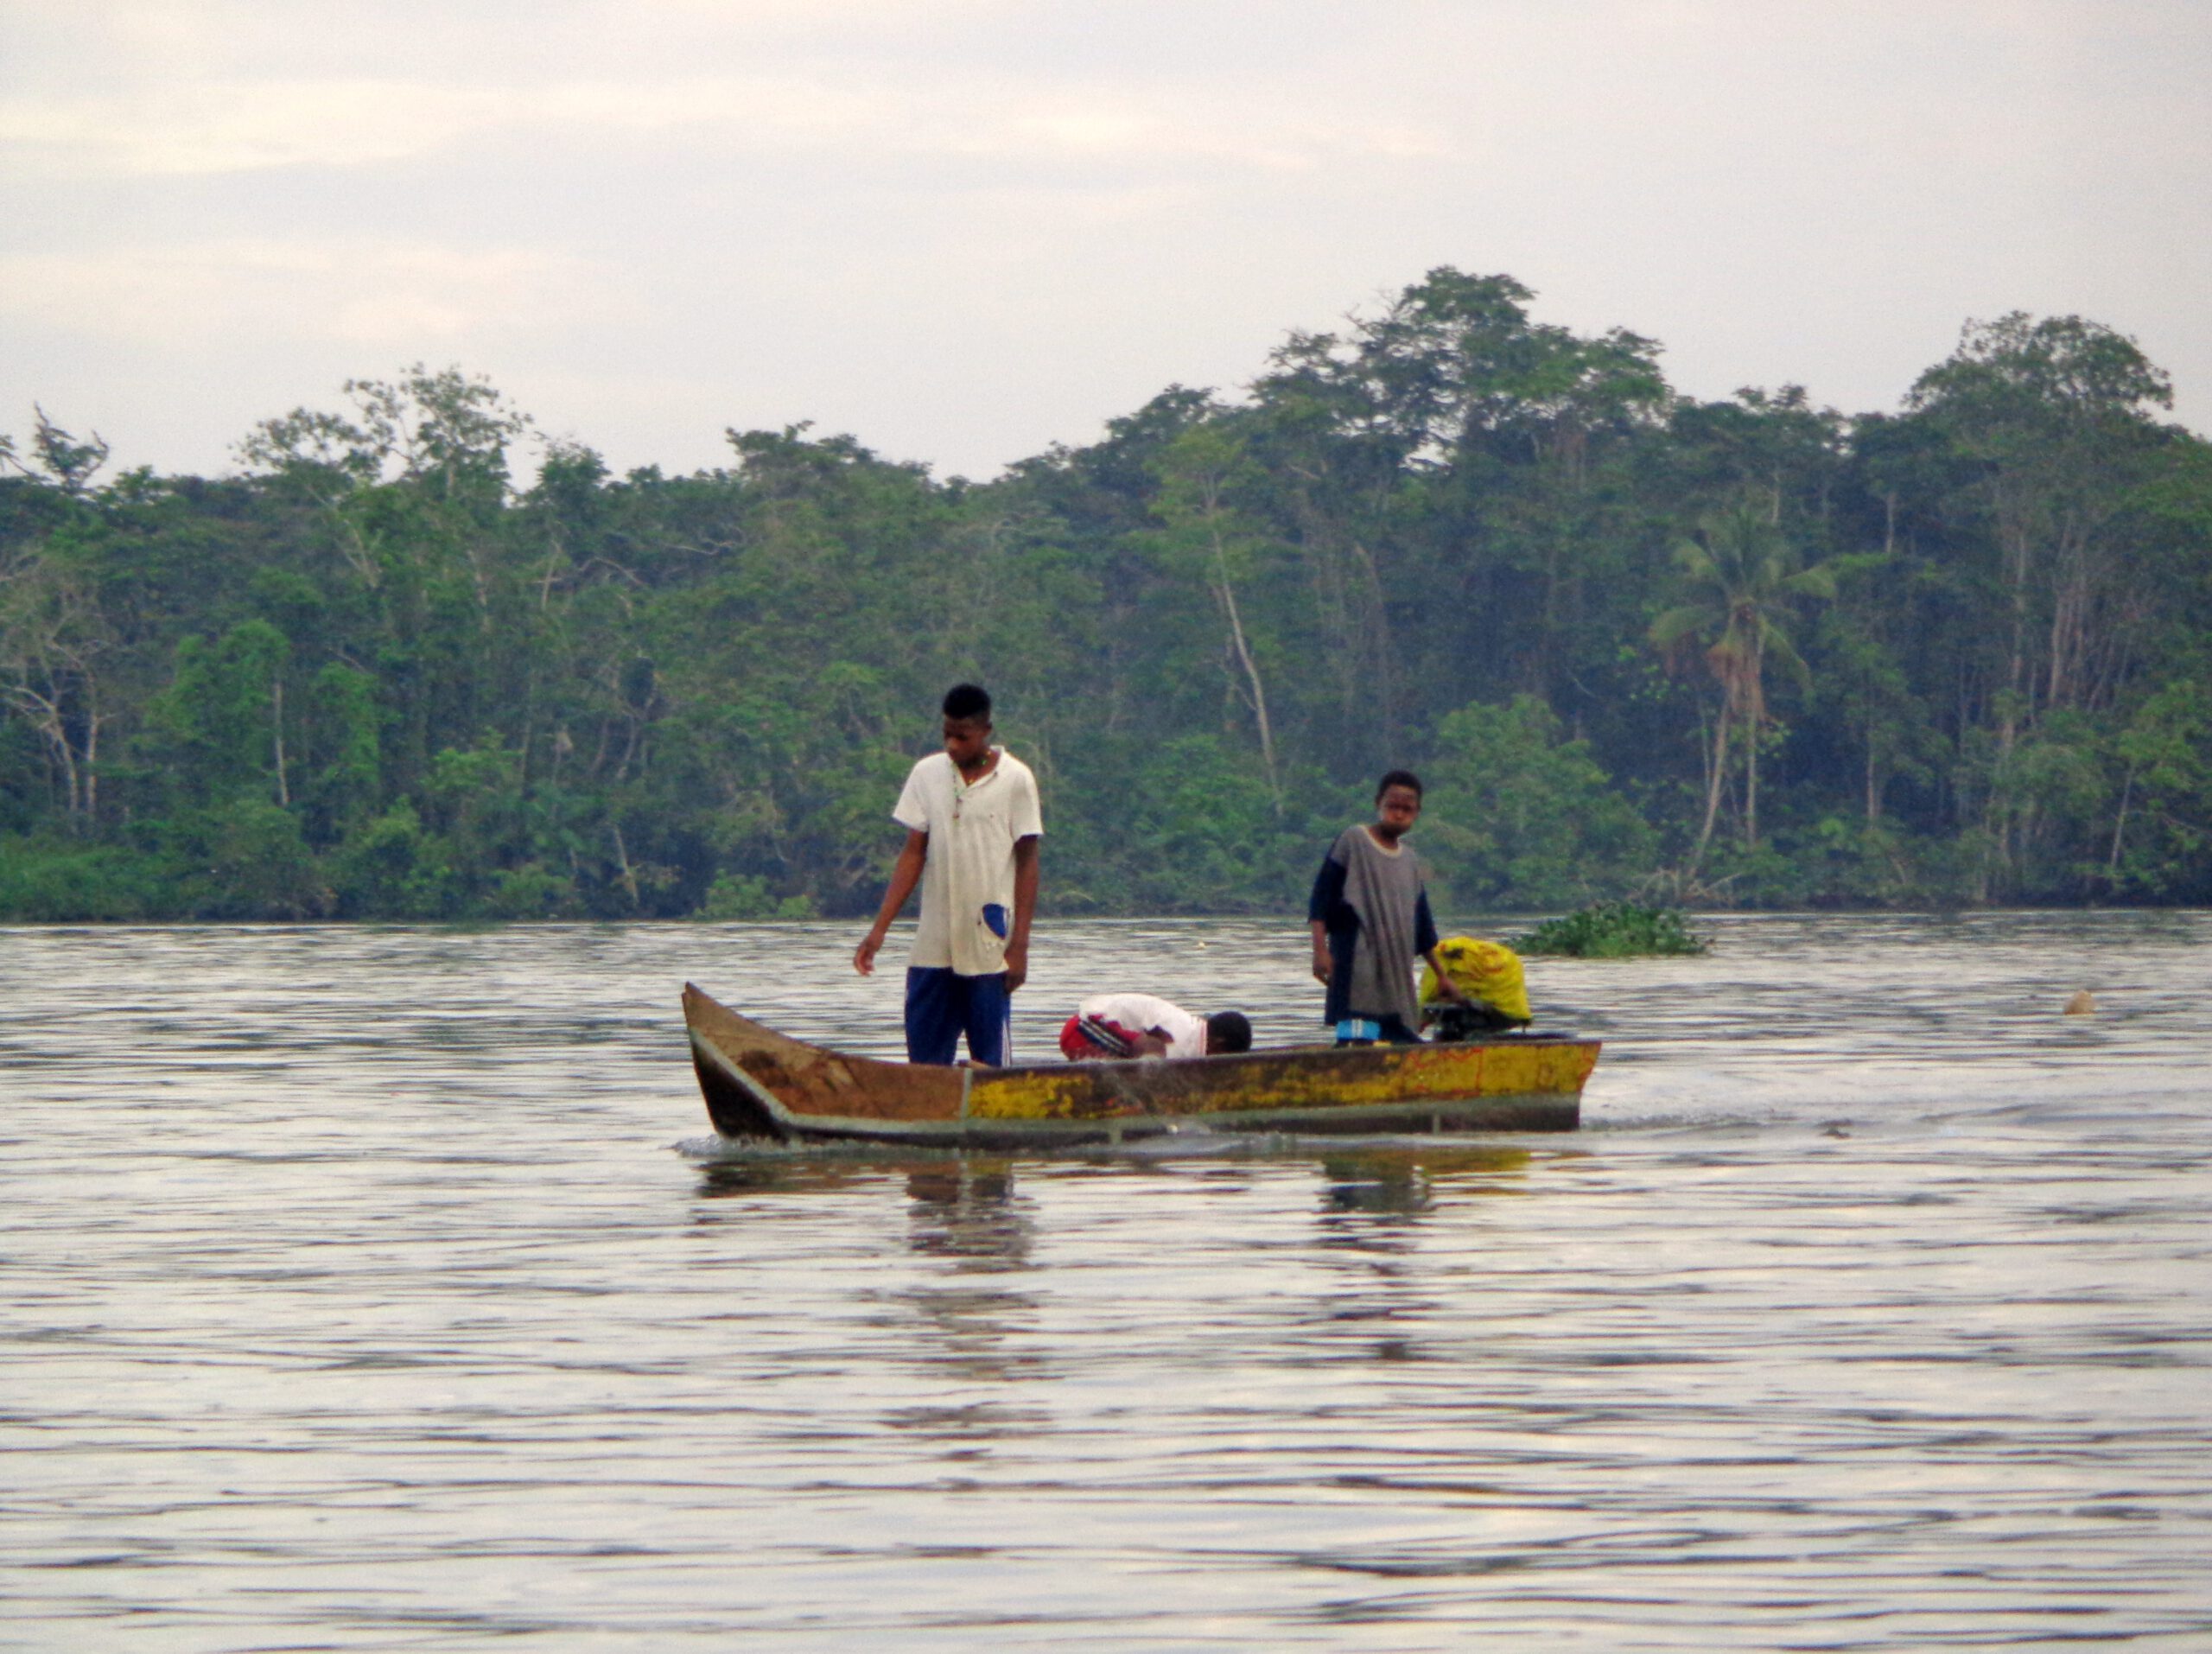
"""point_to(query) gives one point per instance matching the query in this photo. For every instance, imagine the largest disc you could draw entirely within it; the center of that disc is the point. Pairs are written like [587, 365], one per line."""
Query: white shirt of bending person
[1144, 1013]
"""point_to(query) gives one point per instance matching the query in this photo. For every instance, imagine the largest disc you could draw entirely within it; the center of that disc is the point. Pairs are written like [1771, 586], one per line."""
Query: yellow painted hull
[761, 1084]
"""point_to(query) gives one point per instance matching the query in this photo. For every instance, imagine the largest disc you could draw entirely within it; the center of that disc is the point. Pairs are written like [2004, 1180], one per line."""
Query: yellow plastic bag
[1485, 970]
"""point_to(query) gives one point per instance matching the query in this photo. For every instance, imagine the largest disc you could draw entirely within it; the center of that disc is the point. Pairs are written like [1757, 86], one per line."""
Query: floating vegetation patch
[1614, 929]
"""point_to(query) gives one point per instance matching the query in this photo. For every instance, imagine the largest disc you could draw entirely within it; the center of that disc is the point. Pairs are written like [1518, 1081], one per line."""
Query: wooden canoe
[762, 1084]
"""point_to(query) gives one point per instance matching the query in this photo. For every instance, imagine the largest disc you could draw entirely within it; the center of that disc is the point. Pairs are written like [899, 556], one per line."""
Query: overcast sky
[963, 229]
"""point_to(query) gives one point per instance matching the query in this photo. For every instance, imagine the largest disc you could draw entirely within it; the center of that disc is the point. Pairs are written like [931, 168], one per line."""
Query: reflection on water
[726, 1175]
[965, 1208]
[356, 1300]
[1404, 1182]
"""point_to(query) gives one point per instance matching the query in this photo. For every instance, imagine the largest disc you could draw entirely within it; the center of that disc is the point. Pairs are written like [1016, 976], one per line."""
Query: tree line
[1747, 652]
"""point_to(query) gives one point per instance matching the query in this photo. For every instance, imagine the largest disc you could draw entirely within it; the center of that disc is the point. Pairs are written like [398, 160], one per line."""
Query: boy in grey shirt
[1370, 920]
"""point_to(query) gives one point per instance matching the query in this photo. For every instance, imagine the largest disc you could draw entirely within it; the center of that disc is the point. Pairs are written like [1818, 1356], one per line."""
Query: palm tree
[1745, 581]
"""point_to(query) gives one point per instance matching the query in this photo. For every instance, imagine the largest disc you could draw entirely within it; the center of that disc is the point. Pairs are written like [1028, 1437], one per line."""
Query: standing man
[972, 826]
[1370, 921]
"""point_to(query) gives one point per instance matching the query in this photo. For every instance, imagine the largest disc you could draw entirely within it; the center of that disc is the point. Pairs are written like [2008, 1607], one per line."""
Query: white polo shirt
[968, 879]
[1143, 1013]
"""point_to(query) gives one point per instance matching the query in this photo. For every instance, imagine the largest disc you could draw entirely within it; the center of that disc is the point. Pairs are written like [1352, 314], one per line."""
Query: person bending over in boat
[972, 828]
[1108, 1026]
[1370, 920]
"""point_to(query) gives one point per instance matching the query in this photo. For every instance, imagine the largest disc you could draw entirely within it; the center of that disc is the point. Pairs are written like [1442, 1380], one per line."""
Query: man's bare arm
[905, 874]
[1026, 864]
[1449, 989]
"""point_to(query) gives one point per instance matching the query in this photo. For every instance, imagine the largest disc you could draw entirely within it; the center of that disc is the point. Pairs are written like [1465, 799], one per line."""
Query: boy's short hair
[1397, 778]
[1227, 1033]
[967, 701]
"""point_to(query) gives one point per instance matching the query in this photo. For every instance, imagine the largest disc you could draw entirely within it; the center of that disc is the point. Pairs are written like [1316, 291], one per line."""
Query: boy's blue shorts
[942, 1005]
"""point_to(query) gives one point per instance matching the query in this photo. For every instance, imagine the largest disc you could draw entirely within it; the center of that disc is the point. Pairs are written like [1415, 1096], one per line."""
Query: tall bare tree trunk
[1227, 593]
[61, 738]
[46, 716]
[1381, 661]
[1753, 718]
[2015, 537]
[276, 724]
[2119, 827]
[1713, 781]
[93, 719]
[1751, 790]
[622, 861]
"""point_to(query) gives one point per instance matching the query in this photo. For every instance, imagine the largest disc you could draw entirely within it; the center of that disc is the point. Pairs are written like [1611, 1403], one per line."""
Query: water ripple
[382, 1288]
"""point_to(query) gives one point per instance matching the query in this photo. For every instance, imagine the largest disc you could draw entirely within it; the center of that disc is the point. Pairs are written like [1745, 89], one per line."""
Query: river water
[384, 1289]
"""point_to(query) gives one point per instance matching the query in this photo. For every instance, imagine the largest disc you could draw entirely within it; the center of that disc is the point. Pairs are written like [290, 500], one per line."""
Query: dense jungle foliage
[1752, 652]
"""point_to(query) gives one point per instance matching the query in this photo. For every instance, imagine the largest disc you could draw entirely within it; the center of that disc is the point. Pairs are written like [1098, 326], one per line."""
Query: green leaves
[1614, 929]
[1518, 813]
[1957, 652]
